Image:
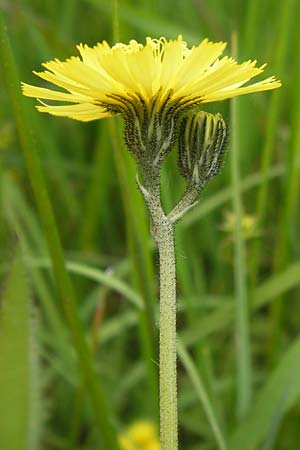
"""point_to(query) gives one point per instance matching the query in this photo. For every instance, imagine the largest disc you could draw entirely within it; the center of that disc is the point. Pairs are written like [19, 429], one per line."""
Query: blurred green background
[238, 251]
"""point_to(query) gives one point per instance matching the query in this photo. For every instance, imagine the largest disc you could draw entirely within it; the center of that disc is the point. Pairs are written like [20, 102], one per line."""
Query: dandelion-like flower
[150, 85]
[108, 80]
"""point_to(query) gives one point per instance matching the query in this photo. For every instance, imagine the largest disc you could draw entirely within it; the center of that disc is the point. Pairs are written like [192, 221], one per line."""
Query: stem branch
[188, 201]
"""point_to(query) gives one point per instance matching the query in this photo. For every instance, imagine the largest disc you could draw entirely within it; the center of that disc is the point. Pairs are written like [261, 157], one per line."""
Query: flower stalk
[167, 342]
[162, 230]
[201, 151]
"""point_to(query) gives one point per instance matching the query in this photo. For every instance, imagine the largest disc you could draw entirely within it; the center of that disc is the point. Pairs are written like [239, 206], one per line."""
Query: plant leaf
[19, 406]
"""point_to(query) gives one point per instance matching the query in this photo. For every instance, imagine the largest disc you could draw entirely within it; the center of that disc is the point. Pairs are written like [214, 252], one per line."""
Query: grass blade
[95, 274]
[272, 120]
[201, 393]
[20, 424]
[244, 377]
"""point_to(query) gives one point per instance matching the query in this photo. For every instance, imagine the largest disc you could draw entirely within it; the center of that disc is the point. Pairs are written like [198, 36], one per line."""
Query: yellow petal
[83, 111]
[265, 85]
[236, 74]
[145, 68]
[198, 61]
[173, 59]
[48, 94]
[63, 82]
[116, 66]
[76, 70]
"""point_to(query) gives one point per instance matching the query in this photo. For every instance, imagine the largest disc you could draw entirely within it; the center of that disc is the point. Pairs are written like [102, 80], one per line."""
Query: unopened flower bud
[202, 141]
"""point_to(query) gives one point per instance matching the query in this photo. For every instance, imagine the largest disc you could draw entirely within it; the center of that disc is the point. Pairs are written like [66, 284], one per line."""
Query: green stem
[163, 233]
[167, 343]
[187, 202]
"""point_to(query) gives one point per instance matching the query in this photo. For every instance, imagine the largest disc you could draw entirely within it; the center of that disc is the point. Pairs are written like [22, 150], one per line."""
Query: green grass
[68, 191]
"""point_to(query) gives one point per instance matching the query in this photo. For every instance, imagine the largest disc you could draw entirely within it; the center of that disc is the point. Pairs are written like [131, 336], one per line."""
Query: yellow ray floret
[160, 69]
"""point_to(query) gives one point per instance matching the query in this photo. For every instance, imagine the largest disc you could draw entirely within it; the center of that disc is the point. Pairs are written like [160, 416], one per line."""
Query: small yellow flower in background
[142, 435]
[111, 80]
[249, 225]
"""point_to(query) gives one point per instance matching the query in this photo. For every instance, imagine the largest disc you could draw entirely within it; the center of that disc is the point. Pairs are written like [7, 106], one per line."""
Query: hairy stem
[163, 232]
[167, 343]
[188, 201]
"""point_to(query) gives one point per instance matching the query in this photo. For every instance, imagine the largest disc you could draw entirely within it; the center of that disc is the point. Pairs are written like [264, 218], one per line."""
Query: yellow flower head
[159, 75]
[249, 224]
[142, 435]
